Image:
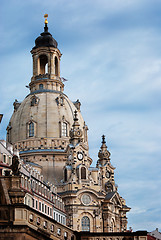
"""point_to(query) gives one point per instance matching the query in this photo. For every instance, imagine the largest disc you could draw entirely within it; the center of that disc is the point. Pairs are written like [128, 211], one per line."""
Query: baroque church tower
[48, 129]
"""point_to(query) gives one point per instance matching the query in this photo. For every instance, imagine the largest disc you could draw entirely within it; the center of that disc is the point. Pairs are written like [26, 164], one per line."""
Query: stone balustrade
[41, 143]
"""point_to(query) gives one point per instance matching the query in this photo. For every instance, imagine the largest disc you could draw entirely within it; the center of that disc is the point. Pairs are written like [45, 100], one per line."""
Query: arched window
[43, 64]
[64, 130]
[83, 173]
[56, 66]
[31, 129]
[65, 174]
[85, 224]
[41, 86]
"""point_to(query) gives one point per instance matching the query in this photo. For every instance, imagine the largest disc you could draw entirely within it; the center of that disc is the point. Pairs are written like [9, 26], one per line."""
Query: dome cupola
[45, 39]
[46, 63]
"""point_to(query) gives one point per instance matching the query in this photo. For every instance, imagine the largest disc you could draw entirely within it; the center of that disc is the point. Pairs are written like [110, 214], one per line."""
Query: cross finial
[103, 139]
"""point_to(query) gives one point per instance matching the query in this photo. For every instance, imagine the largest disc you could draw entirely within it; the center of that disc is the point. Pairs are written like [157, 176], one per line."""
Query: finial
[75, 116]
[103, 139]
[46, 16]
[46, 23]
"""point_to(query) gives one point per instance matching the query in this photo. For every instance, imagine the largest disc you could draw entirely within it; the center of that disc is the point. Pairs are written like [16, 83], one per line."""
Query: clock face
[80, 156]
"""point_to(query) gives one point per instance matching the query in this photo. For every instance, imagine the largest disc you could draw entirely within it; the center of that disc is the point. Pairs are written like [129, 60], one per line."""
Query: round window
[86, 199]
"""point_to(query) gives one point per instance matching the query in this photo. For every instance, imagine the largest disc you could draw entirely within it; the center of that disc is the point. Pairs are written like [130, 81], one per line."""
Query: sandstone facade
[48, 129]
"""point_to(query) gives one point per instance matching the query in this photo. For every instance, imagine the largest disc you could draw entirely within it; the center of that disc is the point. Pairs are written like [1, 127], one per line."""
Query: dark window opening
[43, 64]
[56, 66]
[65, 175]
[41, 86]
[83, 173]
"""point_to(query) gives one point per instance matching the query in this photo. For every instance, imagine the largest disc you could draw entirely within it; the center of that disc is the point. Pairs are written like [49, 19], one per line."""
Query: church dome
[51, 112]
[40, 125]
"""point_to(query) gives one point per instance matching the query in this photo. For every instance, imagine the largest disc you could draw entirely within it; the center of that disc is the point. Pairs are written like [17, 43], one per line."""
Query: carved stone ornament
[15, 165]
[86, 199]
[104, 154]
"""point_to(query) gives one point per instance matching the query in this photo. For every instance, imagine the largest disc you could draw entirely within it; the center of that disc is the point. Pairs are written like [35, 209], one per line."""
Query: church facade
[47, 129]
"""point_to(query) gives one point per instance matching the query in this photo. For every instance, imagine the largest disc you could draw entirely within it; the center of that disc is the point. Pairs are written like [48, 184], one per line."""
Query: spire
[75, 116]
[104, 154]
[103, 139]
[75, 132]
[76, 122]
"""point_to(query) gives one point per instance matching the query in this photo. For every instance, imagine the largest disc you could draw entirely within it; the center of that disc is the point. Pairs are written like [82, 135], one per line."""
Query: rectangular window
[4, 158]
[64, 129]
[42, 207]
[39, 206]
[33, 205]
[51, 212]
[45, 209]
[36, 204]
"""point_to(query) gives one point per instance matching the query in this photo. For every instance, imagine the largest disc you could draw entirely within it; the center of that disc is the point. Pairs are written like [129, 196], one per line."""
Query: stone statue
[15, 165]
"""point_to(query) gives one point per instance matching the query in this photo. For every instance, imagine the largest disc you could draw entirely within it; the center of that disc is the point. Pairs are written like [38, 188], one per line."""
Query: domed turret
[45, 39]
[40, 125]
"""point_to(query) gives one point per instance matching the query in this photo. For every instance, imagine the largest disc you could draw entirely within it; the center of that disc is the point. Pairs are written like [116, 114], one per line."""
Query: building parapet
[22, 216]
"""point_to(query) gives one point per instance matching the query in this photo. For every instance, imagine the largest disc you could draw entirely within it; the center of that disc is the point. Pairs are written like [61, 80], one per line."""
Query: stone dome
[47, 109]
[40, 125]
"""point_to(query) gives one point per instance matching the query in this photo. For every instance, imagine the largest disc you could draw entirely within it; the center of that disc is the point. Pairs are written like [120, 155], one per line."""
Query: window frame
[41, 86]
[64, 129]
[85, 224]
[31, 129]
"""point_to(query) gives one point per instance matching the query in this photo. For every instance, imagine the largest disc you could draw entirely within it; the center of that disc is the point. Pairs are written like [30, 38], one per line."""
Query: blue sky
[112, 60]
